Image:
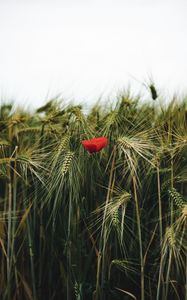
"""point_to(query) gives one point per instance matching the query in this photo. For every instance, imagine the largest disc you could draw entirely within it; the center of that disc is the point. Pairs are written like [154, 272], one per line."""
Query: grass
[111, 225]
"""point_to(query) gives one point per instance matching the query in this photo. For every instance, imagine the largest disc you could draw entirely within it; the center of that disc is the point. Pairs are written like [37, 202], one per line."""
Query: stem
[102, 241]
[40, 223]
[168, 272]
[159, 205]
[31, 252]
[140, 237]
[159, 278]
[9, 233]
[69, 251]
[13, 257]
[171, 221]
[161, 232]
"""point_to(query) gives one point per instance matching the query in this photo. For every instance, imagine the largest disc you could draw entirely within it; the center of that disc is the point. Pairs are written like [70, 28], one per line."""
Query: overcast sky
[83, 49]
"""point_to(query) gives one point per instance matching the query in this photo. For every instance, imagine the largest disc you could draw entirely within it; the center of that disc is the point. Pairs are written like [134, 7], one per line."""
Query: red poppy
[95, 144]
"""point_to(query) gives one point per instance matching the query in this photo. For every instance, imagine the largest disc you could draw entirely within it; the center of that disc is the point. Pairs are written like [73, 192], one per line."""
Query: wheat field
[102, 226]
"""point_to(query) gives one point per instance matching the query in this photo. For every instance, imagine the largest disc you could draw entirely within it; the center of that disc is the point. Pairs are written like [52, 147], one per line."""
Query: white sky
[83, 49]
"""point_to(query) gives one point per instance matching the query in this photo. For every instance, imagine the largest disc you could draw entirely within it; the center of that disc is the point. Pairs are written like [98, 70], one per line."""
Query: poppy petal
[95, 144]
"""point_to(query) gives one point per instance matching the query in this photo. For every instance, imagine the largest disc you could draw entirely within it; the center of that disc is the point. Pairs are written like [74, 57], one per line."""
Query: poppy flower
[95, 144]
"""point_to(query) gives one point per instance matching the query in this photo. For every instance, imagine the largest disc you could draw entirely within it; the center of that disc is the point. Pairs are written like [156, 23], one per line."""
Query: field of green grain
[102, 226]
